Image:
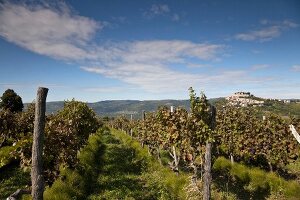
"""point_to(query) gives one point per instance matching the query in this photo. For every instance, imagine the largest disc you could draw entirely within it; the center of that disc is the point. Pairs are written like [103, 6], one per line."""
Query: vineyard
[161, 156]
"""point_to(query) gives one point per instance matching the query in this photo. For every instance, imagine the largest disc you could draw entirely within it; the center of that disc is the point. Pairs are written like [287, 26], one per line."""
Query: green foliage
[280, 108]
[78, 183]
[6, 156]
[11, 101]
[8, 127]
[158, 181]
[255, 181]
[11, 179]
[267, 144]
[65, 133]
[200, 106]
[113, 166]
[15, 126]
[12, 153]
[70, 186]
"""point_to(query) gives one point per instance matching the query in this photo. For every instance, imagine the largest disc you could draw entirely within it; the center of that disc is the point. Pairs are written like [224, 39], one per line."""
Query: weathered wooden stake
[207, 164]
[143, 115]
[37, 178]
[207, 172]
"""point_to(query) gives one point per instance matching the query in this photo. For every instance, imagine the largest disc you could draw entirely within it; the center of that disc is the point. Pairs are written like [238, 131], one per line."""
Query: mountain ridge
[112, 108]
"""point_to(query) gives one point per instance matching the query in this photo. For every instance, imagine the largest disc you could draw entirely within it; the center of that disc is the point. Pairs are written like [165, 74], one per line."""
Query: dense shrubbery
[253, 182]
[11, 101]
[65, 133]
[265, 143]
[239, 134]
[113, 166]
[78, 183]
[14, 126]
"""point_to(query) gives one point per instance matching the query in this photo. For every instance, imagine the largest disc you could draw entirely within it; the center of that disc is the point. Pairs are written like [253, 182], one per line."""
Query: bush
[78, 183]
[257, 181]
[65, 133]
[11, 101]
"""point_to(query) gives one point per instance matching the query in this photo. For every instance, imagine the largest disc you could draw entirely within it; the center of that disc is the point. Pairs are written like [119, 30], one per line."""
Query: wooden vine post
[37, 178]
[207, 164]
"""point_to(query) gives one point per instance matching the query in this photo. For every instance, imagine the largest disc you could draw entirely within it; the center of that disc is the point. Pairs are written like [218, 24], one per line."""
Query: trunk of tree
[37, 146]
[207, 172]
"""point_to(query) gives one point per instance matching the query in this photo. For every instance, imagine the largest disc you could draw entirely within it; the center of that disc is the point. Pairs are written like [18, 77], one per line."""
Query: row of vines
[65, 133]
[238, 133]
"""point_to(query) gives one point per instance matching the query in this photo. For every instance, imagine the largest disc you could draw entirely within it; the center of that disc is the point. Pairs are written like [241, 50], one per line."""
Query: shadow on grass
[223, 182]
[120, 175]
[11, 179]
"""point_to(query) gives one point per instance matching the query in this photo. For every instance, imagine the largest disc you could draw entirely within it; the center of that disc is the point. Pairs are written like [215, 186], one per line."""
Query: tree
[11, 101]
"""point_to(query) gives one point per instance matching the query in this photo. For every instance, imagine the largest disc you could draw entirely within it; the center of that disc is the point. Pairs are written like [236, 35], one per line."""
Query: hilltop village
[244, 99]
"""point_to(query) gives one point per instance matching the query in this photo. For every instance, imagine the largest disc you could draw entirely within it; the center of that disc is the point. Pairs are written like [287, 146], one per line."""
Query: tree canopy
[11, 100]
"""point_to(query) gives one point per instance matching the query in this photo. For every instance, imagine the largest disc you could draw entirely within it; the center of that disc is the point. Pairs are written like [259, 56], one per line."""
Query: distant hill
[113, 108]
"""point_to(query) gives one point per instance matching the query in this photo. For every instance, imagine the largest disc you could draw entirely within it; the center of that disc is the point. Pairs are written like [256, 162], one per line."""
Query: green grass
[253, 183]
[113, 166]
[11, 179]
[160, 180]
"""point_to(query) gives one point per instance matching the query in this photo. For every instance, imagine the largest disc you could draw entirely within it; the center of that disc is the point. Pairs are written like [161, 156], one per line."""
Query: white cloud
[296, 68]
[160, 79]
[47, 31]
[273, 30]
[147, 65]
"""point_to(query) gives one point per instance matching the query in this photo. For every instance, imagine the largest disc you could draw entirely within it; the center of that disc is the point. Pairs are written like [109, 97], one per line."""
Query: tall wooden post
[207, 172]
[37, 178]
[207, 164]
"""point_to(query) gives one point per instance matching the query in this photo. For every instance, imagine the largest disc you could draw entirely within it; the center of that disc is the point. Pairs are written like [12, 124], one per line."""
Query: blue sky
[100, 50]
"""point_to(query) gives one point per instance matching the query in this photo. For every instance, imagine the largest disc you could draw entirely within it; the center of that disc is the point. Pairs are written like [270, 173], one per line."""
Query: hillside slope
[113, 108]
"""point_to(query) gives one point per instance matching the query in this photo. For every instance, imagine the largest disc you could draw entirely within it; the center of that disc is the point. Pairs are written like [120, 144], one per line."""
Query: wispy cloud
[175, 17]
[107, 89]
[270, 31]
[147, 65]
[46, 30]
[157, 10]
[296, 68]
[260, 66]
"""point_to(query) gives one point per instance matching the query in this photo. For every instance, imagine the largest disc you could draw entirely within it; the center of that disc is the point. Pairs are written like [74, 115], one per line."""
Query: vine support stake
[207, 172]
[37, 178]
[207, 164]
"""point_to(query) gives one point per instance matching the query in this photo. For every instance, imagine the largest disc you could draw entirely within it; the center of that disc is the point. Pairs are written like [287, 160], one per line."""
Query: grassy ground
[117, 168]
[113, 166]
[11, 179]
